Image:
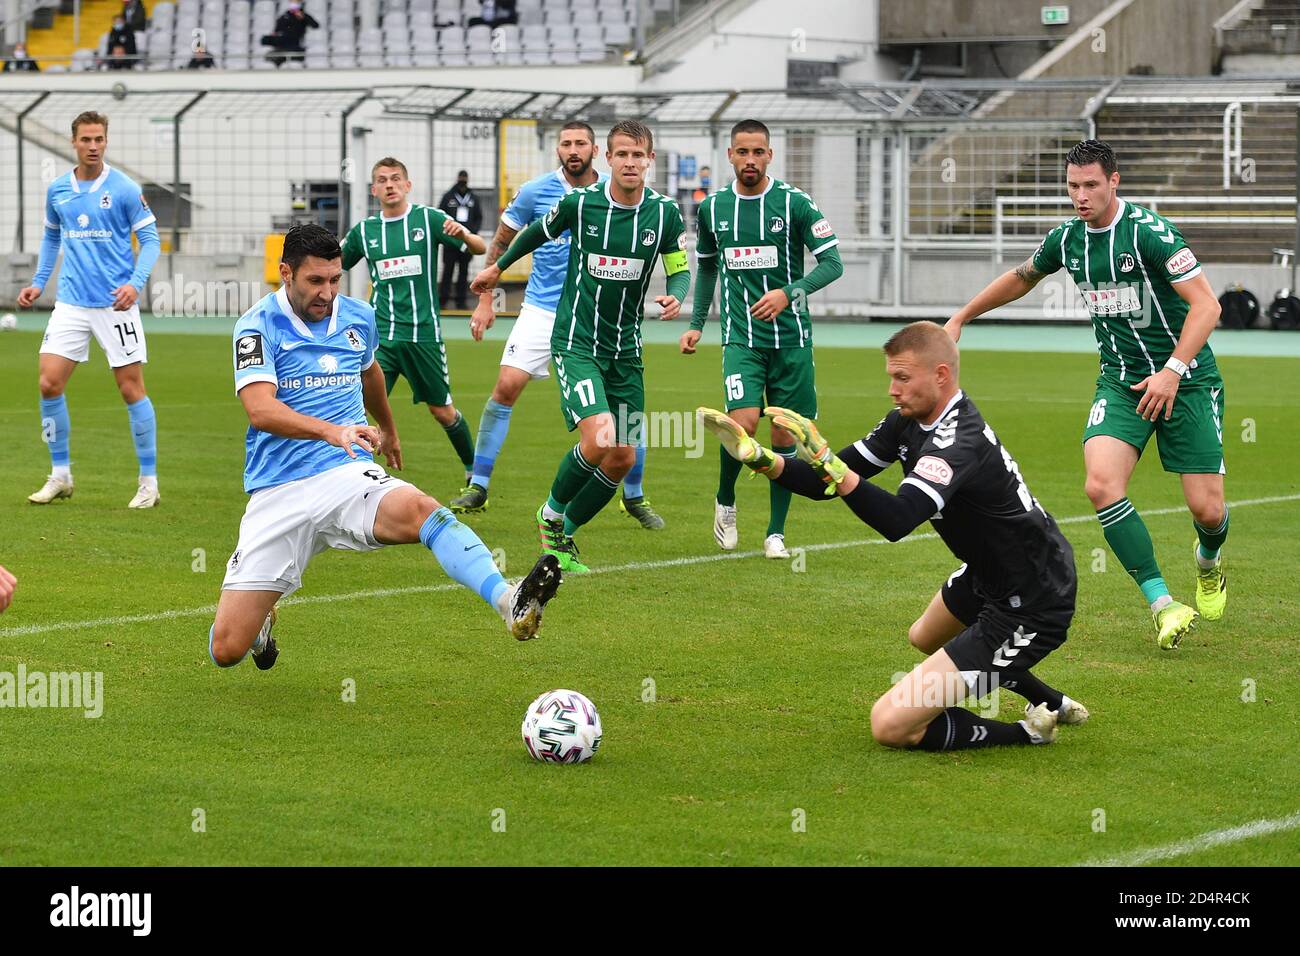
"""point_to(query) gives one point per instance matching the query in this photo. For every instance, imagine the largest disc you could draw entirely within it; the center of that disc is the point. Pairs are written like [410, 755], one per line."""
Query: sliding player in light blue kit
[306, 374]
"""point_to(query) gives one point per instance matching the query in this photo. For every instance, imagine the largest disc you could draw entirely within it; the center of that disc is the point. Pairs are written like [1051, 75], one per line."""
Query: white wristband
[1174, 365]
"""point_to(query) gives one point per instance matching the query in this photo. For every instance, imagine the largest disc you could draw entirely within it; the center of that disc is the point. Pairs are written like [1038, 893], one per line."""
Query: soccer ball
[561, 726]
[8, 322]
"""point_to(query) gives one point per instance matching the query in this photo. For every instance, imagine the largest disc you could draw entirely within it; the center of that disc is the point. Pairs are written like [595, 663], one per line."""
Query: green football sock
[1128, 537]
[728, 473]
[779, 496]
[1212, 539]
[574, 472]
[461, 440]
[586, 504]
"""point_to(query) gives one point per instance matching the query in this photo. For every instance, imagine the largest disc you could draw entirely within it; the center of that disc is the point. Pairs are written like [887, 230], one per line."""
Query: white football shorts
[529, 345]
[119, 334]
[286, 526]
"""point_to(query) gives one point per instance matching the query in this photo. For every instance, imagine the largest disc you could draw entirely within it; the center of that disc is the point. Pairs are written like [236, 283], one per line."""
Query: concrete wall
[909, 21]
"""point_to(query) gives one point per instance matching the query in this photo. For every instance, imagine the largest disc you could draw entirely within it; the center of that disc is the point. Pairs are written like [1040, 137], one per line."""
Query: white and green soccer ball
[562, 726]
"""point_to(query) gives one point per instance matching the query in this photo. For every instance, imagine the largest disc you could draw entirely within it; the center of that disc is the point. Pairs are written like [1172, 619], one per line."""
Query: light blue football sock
[55, 429]
[492, 428]
[632, 481]
[143, 431]
[464, 557]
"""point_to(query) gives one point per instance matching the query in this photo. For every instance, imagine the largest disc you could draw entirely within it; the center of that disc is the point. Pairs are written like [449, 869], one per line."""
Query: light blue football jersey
[92, 223]
[550, 263]
[316, 368]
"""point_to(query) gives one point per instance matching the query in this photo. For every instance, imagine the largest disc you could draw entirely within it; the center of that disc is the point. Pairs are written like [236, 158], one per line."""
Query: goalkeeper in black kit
[1009, 604]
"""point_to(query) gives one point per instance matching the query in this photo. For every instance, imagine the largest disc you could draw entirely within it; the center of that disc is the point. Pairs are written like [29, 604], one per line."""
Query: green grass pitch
[763, 676]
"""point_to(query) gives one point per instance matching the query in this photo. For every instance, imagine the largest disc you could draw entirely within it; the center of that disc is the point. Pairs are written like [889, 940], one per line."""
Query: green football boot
[1173, 622]
[1211, 588]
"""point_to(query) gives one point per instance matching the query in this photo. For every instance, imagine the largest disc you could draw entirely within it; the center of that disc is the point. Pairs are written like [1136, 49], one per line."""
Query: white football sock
[62, 472]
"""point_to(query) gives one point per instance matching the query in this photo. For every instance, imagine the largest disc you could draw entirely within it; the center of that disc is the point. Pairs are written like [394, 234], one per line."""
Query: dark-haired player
[400, 248]
[1152, 311]
[753, 233]
[306, 373]
[1009, 604]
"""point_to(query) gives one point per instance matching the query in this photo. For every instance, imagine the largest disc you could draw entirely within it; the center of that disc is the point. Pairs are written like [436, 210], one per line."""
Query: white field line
[1205, 841]
[208, 609]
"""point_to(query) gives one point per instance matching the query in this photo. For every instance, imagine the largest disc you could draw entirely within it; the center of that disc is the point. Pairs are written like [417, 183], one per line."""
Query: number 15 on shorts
[735, 387]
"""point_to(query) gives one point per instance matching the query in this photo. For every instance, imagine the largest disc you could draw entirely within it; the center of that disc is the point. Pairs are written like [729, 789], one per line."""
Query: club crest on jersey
[1126, 262]
[775, 224]
[354, 340]
[648, 237]
[417, 235]
[83, 220]
[106, 201]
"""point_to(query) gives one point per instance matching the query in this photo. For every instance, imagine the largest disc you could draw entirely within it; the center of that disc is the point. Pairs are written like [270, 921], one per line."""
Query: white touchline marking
[614, 569]
[1204, 841]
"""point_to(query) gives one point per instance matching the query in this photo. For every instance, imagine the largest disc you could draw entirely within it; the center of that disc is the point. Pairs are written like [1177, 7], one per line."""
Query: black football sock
[1031, 689]
[958, 729]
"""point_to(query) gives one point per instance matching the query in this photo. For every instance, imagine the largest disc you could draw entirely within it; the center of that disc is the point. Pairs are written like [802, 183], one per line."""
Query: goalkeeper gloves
[738, 442]
[810, 446]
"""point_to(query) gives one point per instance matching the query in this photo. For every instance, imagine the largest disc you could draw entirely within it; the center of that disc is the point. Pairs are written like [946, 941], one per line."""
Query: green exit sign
[1055, 16]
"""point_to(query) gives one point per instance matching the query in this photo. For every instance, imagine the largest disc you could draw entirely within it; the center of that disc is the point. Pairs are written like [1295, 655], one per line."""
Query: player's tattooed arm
[500, 242]
[1027, 274]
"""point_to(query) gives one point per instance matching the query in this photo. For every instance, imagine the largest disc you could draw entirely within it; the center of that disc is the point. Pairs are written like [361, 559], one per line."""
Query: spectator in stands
[137, 18]
[493, 13]
[460, 203]
[121, 45]
[201, 59]
[290, 28]
[20, 62]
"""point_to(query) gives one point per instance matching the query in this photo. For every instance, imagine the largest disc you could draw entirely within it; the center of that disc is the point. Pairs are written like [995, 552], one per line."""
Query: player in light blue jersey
[528, 350]
[305, 371]
[90, 213]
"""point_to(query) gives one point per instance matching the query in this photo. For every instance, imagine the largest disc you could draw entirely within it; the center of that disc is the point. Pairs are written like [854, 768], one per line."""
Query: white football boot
[52, 489]
[1040, 724]
[146, 496]
[774, 547]
[724, 526]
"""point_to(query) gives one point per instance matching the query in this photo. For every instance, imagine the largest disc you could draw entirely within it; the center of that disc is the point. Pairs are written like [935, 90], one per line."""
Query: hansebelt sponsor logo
[399, 267]
[614, 267]
[751, 257]
[1112, 301]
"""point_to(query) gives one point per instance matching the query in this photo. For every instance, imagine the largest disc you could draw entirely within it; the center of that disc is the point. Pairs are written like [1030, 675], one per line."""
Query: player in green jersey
[400, 248]
[1153, 311]
[617, 228]
[754, 233]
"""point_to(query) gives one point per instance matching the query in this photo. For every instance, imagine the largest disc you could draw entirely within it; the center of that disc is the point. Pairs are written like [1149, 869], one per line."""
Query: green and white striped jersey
[402, 255]
[612, 248]
[1126, 273]
[759, 242]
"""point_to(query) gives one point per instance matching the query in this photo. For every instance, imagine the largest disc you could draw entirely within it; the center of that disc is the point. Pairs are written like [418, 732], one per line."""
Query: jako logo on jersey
[329, 364]
[751, 257]
[106, 201]
[1182, 261]
[648, 237]
[83, 220]
[417, 235]
[354, 340]
[611, 267]
[934, 469]
[399, 267]
[821, 229]
[1126, 262]
[775, 224]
